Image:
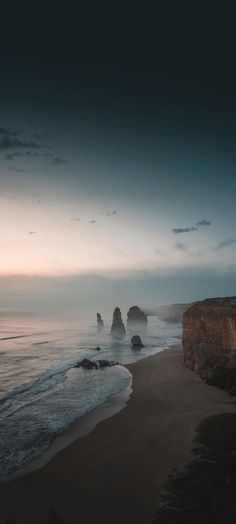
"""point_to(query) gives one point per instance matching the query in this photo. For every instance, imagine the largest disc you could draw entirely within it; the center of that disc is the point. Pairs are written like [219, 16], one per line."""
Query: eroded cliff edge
[209, 340]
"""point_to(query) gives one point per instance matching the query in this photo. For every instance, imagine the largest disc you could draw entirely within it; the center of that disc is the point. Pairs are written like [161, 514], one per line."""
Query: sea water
[42, 393]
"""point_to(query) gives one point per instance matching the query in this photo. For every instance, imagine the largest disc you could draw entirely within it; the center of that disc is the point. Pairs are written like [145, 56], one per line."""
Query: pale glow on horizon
[41, 238]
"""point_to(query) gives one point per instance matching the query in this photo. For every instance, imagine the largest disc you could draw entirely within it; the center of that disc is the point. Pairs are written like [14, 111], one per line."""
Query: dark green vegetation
[205, 493]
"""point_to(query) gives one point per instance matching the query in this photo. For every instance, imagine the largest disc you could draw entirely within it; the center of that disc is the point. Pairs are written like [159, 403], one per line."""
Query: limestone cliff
[173, 312]
[209, 336]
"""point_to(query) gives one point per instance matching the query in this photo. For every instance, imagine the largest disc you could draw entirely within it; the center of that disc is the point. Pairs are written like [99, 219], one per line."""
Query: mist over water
[41, 393]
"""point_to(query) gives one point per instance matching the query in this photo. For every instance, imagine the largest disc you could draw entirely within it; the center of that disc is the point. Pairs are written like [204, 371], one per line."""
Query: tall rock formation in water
[136, 316]
[117, 328]
[209, 337]
[100, 322]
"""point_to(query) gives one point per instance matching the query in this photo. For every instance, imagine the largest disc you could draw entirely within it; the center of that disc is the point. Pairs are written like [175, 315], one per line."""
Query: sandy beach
[116, 472]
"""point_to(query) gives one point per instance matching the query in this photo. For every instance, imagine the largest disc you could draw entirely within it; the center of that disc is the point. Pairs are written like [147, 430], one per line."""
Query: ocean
[42, 393]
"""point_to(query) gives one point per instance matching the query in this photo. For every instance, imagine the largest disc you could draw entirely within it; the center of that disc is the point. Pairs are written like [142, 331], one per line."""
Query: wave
[56, 369]
[41, 343]
[49, 394]
[19, 336]
[38, 421]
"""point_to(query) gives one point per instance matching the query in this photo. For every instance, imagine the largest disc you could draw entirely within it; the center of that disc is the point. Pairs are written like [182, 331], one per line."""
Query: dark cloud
[9, 142]
[18, 169]
[92, 221]
[198, 253]
[181, 246]
[75, 219]
[32, 233]
[6, 131]
[58, 162]
[224, 243]
[179, 230]
[37, 135]
[11, 156]
[32, 154]
[203, 222]
[9, 139]
[112, 213]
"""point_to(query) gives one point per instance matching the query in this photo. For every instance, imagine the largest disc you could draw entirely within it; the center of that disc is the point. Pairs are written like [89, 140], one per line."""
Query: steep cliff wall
[168, 313]
[209, 335]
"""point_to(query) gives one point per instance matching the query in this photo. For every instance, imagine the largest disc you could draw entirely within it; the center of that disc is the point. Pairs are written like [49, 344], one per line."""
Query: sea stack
[100, 322]
[117, 328]
[136, 316]
[137, 342]
[209, 336]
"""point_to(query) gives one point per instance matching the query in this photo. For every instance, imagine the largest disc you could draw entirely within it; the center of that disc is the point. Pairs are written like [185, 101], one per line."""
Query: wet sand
[115, 473]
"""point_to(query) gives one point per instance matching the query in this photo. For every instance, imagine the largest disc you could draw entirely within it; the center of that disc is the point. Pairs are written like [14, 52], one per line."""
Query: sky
[117, 156]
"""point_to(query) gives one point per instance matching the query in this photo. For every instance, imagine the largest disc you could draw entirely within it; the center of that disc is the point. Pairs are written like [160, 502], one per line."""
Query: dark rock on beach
[106, 363]
[136, 342]
[117, 328]
[90, 364]
[86, 364]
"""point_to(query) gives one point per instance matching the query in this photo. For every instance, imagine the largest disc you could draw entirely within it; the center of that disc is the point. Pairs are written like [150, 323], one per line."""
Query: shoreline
[83, 425]
[118, 470]
[78, 429]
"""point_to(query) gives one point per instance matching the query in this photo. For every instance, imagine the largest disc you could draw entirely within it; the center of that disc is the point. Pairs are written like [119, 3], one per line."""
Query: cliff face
[173, 312]
[209, 335]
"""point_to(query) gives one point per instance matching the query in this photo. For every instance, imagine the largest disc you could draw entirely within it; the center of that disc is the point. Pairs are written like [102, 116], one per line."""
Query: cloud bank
[224, 243]
[180, 230]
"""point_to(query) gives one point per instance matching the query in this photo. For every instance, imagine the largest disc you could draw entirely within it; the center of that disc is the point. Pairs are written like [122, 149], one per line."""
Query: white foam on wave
[55, 369]
[39, 418]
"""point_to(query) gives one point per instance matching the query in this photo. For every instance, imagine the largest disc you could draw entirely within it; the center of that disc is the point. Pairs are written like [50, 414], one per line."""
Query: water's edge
[79, 428]
[47, 402]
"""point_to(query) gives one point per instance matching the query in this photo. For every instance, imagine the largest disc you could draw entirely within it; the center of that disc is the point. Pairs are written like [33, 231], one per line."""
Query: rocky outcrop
[86, 364]
[106, 363]
[136, 316]
[172, 313]
[91, 364]
[100, 322]
[136, 342]
[117, 328]
[209, 337]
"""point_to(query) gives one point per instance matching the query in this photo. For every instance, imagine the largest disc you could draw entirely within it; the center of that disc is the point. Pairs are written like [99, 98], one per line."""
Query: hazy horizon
[82, 296]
